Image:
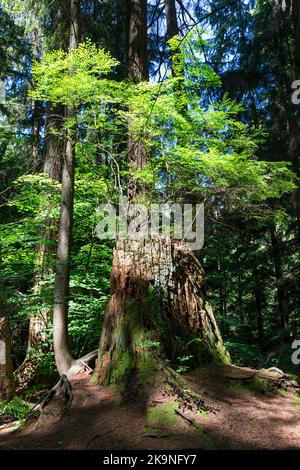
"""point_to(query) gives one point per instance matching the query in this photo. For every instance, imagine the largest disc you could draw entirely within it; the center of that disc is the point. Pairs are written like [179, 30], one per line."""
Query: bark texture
[137, 69]
[136, 22]
[157, 309]
[171, 17]
[172, 30]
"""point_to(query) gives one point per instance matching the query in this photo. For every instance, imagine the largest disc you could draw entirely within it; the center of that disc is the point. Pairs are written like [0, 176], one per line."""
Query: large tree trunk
[157, 308]
[157, 303]
[7, 386]
[62, 353]
[171, 17]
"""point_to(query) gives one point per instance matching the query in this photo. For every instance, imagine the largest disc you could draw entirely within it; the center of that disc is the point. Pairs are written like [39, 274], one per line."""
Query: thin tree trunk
[7, 386]
[45, 253]
[62, 353]
[240, 299]
[224, 288]
[28, 371]
[52, 167]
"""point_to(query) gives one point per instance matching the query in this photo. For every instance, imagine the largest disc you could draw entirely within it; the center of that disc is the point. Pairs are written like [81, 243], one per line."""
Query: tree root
[63, 387]
[279, 380]
[187, 399]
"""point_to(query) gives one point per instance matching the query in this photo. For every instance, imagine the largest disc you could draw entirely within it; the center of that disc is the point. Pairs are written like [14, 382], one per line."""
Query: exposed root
[274, 376]
[63, 387]
[283, 382]
[186, 398]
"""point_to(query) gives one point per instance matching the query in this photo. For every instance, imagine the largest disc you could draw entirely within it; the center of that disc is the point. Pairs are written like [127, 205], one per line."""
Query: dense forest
[150, 224]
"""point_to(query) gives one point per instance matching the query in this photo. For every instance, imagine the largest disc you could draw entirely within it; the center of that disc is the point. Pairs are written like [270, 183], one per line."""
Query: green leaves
[16, 408]
[73, 78]
[34, 192]
[193, 145]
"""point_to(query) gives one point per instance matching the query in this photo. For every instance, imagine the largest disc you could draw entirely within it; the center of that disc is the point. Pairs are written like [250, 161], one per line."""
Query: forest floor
[246, 415]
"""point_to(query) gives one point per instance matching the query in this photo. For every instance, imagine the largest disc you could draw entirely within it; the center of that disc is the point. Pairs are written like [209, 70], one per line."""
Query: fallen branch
[12, 424]
[90, 356]
[86, 366]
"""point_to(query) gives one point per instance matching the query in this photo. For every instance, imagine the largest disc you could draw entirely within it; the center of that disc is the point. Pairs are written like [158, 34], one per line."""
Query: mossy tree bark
[157, 310]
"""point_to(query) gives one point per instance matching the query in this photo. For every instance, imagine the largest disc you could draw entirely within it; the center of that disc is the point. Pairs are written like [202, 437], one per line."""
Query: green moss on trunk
[157, 312]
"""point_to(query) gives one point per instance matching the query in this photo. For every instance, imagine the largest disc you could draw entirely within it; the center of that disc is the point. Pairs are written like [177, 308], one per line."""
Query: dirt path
[248, 419]
[243, 419]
